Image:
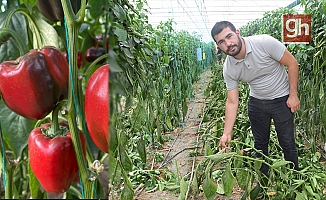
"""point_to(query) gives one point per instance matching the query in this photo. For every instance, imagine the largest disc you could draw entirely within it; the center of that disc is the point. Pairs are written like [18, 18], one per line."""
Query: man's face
[229, 42]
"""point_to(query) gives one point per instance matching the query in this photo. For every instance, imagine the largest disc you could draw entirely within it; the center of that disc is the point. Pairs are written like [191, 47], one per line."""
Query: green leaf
[121, 33]
[127, 191]
[137, 40]
[238, 161]
[10, 51]
[114, 67]
[194, 184]
[209, 188]
[258, 163]
[208, 149]
[112, 164]
[123, 139]
[184, 108]
[96, 7]
[255, 192]
[15, 129]
[148, 51]
[228, 181]
[48, 34]
[168, 123]
[113, 136]
[127, 52]
[30, 4]
[119, 12]
[244, 195]
[141, 149]
[300, 195]
[139, 116]
[297, 183]
[183, 189]
[33, 183]
[315, 184]
[221, 155]
[166, 59]
[310, 190]
[125, 159]
[280, 164]
[220, 189]
[243, 177]
[159, 132]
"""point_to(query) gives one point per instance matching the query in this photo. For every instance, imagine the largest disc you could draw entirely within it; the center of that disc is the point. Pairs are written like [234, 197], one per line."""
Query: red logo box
[296, 28]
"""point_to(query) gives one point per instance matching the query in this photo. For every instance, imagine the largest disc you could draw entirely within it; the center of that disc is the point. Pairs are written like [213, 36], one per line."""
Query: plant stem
[72, 30]
[31, 21]
[55, 123]
[111, 181]
[6, 33]
[9, 178]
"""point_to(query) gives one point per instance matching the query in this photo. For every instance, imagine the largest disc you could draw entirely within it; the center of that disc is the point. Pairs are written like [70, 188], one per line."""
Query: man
[260, 60]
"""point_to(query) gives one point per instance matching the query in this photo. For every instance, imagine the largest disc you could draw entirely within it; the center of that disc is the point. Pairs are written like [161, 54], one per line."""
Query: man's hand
[225, 142]
[293, 103]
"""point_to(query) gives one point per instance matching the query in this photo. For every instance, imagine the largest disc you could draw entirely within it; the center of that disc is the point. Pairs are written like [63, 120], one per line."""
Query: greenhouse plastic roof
[199, 16]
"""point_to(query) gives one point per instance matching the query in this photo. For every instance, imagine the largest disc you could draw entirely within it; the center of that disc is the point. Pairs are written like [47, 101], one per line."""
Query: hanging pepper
[33, 84]
[97, 107]
[53, 159]
[52, 9]
[94, 52]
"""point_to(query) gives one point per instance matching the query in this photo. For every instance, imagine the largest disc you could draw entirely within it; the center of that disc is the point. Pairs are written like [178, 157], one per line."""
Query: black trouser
[260, 113]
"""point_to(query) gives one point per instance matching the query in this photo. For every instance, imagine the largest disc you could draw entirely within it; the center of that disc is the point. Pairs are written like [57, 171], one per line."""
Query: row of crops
[152, 74]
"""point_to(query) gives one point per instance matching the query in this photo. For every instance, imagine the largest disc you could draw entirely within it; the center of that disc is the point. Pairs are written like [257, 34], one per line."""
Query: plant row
[153, 70]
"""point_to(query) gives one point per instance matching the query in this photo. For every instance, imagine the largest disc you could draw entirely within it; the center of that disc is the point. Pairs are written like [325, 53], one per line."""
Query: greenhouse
[153, 99]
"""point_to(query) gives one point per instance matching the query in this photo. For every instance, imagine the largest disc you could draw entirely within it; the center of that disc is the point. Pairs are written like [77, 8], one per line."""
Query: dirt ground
[184, 140]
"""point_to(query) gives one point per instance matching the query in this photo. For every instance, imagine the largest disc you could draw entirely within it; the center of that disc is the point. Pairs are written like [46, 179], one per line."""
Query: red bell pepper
[53, 160]
[97, 107]
[33, 84]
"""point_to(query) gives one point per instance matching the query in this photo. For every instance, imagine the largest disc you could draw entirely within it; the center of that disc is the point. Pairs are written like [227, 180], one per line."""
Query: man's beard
[237, 46]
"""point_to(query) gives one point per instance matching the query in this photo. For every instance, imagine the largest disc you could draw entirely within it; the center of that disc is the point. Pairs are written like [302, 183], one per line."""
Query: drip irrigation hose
[168, 161]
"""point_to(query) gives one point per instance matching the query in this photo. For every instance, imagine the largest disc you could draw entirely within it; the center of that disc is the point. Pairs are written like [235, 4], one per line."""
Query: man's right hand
[225, 142]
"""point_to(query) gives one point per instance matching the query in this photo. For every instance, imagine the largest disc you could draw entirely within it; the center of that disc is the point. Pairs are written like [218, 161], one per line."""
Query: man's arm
[231, 110]
[293, 72]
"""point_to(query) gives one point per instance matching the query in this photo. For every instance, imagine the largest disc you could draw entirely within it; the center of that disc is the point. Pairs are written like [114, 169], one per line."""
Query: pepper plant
[23, 27]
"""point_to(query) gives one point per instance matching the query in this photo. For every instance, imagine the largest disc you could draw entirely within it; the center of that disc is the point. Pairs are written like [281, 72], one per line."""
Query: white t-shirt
[261, 69]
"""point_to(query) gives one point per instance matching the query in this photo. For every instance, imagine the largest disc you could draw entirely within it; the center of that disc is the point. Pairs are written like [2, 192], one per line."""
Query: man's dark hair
[219, 26]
